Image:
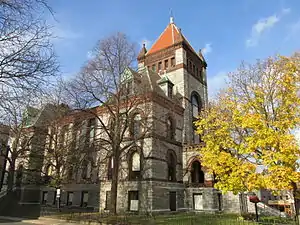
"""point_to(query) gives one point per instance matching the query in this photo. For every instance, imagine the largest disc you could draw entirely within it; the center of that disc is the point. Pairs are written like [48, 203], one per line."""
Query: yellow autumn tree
[248, 129]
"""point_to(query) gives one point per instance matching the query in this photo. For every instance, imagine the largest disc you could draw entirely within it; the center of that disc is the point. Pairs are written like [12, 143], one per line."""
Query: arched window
[195, 104]
[134, 166]
[197, 174]
[136, 125]
[110, 168]
[170, 128]
[172, 161]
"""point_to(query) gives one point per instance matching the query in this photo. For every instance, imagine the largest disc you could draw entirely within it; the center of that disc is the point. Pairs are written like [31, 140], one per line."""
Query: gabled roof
[168, 37]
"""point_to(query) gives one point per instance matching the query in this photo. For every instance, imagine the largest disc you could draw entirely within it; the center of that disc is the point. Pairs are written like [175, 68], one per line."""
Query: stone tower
[173, 56]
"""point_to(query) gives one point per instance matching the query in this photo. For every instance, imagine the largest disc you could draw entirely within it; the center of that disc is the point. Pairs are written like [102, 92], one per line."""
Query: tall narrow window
[173, 62]
[49, 170]
[91, 130]
[134, 166]
[166, 64]
[195, 105]
[44, 197]
[86, 169]
[69, 198]
[194, 69]
[54, 198]
[84, 199]
[171, 160]
[170, 128]
[107, 200]
[159, 66]
[136, 126]
[110, 168]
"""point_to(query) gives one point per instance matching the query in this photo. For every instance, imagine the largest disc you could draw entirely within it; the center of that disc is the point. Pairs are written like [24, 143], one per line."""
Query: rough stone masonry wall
[161, 196]
[210, 198]
[143, 187]
[77, 189]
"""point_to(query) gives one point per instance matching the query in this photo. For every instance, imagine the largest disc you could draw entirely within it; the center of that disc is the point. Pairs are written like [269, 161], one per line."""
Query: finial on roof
[171, 16]
[143, 51]
[171, 19]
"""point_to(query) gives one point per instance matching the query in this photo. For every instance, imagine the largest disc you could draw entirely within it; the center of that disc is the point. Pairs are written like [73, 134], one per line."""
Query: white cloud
[263, 25]
[207, 49]
[259, 28]
[216, 83]
[147, 43]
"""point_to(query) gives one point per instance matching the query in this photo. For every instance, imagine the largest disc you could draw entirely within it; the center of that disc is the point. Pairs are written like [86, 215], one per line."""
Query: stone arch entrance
[197, 174]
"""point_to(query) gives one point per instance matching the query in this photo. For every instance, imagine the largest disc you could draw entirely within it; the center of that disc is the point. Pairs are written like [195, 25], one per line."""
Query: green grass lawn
[171, 219]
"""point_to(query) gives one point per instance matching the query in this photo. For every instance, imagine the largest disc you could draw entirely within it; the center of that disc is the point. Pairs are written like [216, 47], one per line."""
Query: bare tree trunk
[11, 175]
[114, 185]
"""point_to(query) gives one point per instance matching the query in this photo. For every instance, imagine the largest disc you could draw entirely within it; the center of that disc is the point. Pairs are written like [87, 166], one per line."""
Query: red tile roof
[169, 36]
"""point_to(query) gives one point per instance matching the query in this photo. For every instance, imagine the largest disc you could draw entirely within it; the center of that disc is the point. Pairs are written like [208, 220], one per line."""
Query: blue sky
[227, 31]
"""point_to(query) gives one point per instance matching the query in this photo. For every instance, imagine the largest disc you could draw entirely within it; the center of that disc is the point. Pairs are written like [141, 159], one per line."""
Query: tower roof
[170, 36]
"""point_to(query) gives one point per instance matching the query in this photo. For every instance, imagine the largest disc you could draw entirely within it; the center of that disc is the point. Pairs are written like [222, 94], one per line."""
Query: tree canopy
[248, 129]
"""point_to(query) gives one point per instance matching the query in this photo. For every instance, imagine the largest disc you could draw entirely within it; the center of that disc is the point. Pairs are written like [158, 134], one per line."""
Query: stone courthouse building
[164, 173]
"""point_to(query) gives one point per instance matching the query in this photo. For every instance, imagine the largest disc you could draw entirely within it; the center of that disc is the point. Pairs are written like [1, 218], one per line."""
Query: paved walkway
[39, 221]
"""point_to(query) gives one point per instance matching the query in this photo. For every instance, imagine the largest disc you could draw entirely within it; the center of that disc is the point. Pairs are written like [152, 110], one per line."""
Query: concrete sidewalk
[43, 221]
